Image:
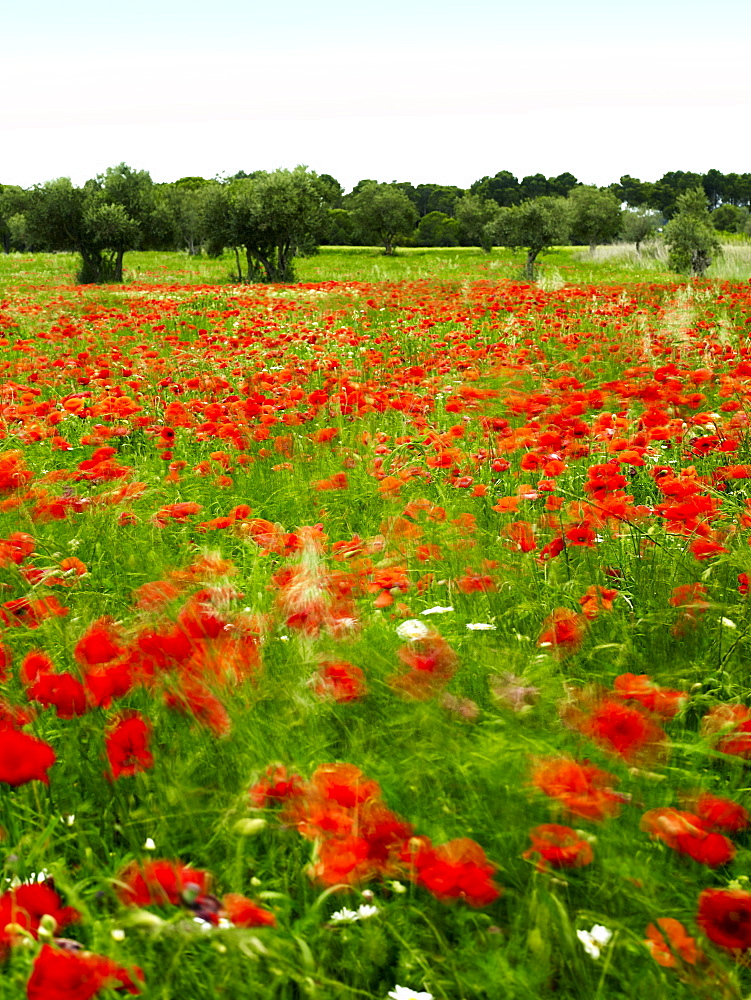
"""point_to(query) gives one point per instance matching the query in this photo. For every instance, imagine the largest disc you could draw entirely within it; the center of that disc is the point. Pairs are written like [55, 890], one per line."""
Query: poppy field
[375, 640]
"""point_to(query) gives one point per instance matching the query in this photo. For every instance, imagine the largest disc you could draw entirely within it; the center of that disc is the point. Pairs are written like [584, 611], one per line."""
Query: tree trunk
[118, 275]
[529, 267]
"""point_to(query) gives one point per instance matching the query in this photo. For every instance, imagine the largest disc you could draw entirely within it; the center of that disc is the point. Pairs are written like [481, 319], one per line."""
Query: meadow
[384, 635]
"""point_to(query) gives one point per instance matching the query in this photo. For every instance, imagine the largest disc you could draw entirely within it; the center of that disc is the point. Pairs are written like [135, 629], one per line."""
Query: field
[386, 635]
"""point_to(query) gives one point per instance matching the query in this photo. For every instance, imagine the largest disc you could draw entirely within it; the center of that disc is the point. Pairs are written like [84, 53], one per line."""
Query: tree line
[266, 219]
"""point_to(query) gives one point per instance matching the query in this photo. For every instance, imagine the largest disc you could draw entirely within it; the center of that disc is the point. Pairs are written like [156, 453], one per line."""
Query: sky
[403, 90]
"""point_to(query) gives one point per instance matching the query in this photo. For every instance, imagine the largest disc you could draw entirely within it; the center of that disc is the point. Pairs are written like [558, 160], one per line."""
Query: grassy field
[385, 635]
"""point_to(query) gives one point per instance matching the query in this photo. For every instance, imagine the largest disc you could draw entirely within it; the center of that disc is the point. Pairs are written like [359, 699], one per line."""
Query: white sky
[402, 91]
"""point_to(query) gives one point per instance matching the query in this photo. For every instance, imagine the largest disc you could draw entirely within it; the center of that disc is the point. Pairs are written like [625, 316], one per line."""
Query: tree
[730, 219]
[535, 225]
[503, 189]
[274, 216]
[436, 229]
[476, 217]
[13, 201]
[638, 224]
[384, 212]
[99, 221]
[595, 216]
[690, 237]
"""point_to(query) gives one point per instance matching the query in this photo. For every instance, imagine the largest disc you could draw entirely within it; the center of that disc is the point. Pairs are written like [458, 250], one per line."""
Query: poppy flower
[456, 870]
[725, 917]
[340, 681]
[687, 833]
[564, 631]
[24, 758]
[63, 974]
[642, 689]
[558, 846]
[243, 912]
[25, 906]
[581, 788]
[127, 746]
[161, 882]
[63, 691]
[669, 943]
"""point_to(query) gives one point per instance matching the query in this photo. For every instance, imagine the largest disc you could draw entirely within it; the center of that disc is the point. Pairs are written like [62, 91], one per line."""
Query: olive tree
[273, 217]
[91, 221]
[535, 225]
[690, 236]
[638, 224]
[595, 215]
[383, 213]
[476, 216]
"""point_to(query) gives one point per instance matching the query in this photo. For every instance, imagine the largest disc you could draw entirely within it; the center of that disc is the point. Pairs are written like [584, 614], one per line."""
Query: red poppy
[669, 943]
[161, 882]
[243, 912]
[24, 758]
[564, 631]
[581, 788]
[725, 917]
[625, 731]
[25, 906]
[642, 689]
[63, 974]
[559, 846]
[99, 644]
[687, 833]
[63, 691]
[719, 813]
[456, 870]
[127, 745]
[339, 680]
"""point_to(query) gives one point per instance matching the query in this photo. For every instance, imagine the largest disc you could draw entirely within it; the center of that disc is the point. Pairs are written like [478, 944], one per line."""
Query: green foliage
[383, 212]
[535, 225]
[731, 219]
[93, 221]
[274, 217]
[690, 237]
[595, 216]
[476, 216]
[437, 230]
[638, 224]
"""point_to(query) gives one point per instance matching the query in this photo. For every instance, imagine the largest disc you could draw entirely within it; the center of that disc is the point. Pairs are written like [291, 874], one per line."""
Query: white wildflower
[479, 626]
[405, 993]
[437, 610]
[595, 940]
[413, 629]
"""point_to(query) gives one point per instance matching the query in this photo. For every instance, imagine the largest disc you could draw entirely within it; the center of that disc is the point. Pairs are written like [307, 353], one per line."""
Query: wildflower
[405, 993]
[725, 917]
[559, 846]
[127, 745]
[24, 758]
[581, 788]
[688, 834]
[595, 940]
[340, 681]
[77, 975]
[26, 906]
[480, 627]
[243, 912]
[346, 916]
[456, 870]
[413, 629]
[642, 689]
[161, 882]
[437, 610]
[564, 631]
[628, 732]
[668, 942]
